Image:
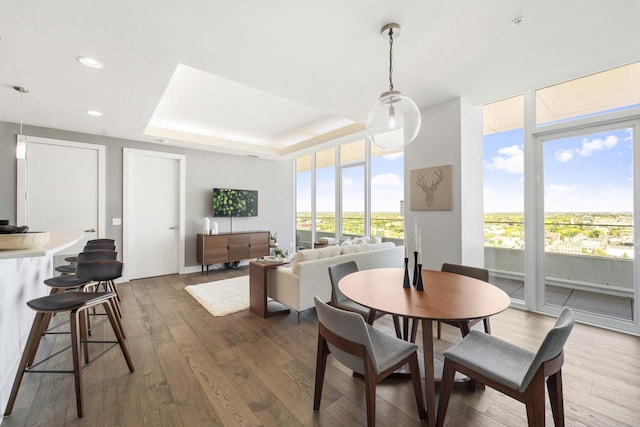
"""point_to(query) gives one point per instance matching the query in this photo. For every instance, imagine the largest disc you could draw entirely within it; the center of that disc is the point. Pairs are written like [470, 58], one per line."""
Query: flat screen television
[229, 202]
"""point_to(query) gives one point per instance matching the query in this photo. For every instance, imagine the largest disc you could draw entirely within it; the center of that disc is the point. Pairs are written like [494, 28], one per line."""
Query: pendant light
[21, 142]
[395, 119]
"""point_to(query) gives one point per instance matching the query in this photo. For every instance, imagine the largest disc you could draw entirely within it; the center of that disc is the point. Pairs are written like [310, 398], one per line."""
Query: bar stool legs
[77, 304]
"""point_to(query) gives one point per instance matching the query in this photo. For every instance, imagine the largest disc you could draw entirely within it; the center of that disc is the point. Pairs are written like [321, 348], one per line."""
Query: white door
[61, 188]
[153, 202]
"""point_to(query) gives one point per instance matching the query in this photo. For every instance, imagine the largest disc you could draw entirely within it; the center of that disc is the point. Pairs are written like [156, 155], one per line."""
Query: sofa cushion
[364, 247]
[311, 254]
[355, 249]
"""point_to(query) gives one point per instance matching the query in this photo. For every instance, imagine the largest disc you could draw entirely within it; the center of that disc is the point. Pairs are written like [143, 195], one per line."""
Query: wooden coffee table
[446, 296]
[258, 300]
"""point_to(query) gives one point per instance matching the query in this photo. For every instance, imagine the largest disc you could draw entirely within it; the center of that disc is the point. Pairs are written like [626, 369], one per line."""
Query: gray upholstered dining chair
[476, 273]
[339, 300]
[365, 350]
[512, 370]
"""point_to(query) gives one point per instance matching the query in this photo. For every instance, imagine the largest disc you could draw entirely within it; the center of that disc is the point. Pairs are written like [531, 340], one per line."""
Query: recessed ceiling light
[89, 62]
[93, 113]
[517, 21]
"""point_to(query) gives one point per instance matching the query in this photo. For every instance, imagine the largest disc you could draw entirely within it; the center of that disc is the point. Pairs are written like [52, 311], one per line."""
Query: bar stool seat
[66, 269]
[89, 254]
[77, 304]
[65, 283]
[102, 241]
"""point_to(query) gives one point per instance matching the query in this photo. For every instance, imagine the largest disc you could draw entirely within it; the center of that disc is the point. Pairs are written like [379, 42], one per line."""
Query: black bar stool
[77, 304]
[102, 273]
[74, 259]
[91, 255]
[65, 283]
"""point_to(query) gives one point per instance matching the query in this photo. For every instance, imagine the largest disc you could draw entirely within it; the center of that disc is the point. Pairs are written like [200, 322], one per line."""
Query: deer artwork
[430, 189]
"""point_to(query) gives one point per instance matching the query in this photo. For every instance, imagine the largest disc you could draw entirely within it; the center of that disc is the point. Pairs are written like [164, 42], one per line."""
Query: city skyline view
[585, 173]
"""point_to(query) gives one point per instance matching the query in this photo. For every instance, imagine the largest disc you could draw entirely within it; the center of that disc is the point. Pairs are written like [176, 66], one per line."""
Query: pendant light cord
[21, 93]
[391, 59]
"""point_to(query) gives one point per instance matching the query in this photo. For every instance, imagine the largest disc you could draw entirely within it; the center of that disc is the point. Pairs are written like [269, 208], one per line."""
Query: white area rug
[222, 297]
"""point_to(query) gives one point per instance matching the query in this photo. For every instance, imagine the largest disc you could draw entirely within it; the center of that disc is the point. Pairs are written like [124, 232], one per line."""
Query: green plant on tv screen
[234, 203]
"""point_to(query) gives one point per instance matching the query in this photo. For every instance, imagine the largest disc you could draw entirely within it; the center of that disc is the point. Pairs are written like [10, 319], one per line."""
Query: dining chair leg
[371, 316]
[370, 392]
[446, 386]
[534, 400]
[396, 325]
[321, 364]
[439, 329]
[414, 330]
[554, 385]
[487, 325]
[464, 328]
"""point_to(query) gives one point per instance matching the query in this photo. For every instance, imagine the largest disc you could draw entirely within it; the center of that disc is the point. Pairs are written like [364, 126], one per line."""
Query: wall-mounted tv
[234, 203]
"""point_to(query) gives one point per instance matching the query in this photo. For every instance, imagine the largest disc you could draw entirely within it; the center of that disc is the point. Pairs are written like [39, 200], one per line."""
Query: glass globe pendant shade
[393, 122]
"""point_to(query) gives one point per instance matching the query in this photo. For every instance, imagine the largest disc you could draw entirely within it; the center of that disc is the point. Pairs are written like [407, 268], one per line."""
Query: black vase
[416, 271]
[420, 285]
[406, 283]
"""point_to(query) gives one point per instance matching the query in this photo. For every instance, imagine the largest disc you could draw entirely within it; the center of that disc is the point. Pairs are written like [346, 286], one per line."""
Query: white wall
[204, 170]
[451, 134]
[472, 187]
[273, 181]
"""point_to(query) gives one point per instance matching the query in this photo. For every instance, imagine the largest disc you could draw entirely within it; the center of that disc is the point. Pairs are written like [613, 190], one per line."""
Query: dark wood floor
[193, 369]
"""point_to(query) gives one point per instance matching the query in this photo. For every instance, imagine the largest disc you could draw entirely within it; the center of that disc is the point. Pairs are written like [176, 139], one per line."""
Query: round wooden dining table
[446, 296]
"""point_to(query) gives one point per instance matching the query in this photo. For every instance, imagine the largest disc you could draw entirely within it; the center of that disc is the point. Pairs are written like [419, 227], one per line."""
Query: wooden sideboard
[229, 247]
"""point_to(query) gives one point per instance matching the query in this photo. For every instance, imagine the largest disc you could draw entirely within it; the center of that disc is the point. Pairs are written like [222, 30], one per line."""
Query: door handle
[91, 230]
[173, 228]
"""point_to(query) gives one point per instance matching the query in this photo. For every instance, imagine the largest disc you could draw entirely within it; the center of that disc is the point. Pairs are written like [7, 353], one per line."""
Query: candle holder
[416, 272]
[406, 283]
[419, 285]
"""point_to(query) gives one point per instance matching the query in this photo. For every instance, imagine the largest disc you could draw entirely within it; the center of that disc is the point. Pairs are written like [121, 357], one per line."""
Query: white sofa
[308, 275]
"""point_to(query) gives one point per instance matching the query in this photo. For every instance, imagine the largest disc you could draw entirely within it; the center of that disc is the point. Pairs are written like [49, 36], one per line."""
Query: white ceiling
[264, 77]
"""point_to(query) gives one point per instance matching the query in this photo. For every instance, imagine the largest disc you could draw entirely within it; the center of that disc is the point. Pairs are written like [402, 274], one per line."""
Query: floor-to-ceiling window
[325, 194]
[357, 190]
[304, 198]
[352, 189]
[503, 148]
[576, 166]
[587, 185]
[387, 194]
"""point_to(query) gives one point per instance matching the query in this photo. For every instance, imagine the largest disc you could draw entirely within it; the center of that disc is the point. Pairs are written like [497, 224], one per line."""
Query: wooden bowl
[17, 241]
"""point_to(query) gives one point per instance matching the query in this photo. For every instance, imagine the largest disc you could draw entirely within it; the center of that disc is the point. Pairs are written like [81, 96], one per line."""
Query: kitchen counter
[22, 275]
[58, 241]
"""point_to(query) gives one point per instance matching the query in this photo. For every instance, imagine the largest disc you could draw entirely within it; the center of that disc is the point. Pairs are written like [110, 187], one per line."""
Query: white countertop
[59, 240]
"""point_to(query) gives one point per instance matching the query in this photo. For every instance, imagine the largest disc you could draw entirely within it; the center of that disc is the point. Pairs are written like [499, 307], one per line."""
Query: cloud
[563, 156]
[510, 160]
[347, 182]
[387, 180]
[589, 147]
[488, 192]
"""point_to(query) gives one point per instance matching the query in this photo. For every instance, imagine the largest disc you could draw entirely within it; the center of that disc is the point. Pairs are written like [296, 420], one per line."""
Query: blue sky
[387, 186]
[587, 173]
